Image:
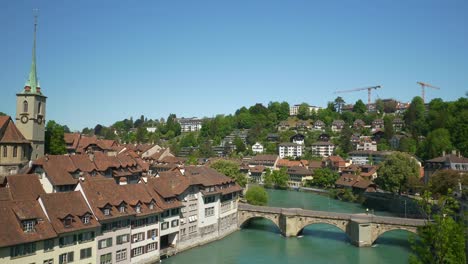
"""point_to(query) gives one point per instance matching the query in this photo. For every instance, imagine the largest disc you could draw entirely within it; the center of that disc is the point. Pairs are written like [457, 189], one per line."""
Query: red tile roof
[9, 133]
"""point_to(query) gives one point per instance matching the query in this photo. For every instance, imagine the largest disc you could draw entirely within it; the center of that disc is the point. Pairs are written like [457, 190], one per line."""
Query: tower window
[39, 106]
[4, 151]
[15, 151]
[25, 106]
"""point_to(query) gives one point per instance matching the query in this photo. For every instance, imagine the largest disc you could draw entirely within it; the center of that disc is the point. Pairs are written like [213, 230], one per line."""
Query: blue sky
[103, 61]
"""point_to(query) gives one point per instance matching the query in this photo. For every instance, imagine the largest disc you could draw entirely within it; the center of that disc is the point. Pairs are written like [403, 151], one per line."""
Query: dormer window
[151, 206]
[138, 208]
[106, 211]
[67, 222]
[122, 208]
[28, 225]
[86, 219]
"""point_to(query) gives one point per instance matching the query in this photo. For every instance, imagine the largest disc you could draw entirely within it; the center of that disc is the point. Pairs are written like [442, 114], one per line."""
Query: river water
[261, 242]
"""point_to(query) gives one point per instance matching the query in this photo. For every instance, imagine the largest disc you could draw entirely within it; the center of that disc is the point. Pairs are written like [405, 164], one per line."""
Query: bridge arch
[379, 230]
[245, 217]
[340, 224]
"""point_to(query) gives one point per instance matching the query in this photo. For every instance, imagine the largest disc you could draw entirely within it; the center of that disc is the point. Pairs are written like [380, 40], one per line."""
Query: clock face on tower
[24, 119]
[39, 120]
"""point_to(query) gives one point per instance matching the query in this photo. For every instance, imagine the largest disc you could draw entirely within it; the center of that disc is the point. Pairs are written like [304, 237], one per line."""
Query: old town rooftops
[68, 212]
[9, 133]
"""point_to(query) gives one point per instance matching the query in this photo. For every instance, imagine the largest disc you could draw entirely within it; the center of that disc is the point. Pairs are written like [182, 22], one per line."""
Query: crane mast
[423, 90]
[369, 93]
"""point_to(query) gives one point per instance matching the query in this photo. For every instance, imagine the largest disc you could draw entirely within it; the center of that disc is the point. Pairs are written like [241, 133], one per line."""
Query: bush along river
[261, 242]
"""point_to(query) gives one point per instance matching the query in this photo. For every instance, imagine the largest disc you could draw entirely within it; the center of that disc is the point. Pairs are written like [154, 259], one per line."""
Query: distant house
[361, 157]
[319, 125]
[192, 124]
[377, 124]
[323, 149]
[356, 183]
[286, 125]
[256, 173]
[303, 125]
[273, 137]
[366, 143]
[294, 110]
[335, 163]
[444, 162]
[257, 148]
[298, 139]
[268, 161]
[298, 175]
[377, 135]
[398, 124]
[292, 150]
[337, 125]
[324, 137]
[358, 124]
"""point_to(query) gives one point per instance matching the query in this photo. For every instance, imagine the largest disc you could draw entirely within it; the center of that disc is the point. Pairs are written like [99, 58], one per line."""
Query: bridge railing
[333, 215]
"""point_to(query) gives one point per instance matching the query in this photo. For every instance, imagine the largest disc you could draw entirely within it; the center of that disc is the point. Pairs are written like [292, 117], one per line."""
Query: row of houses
[100, 221]
[336, 125]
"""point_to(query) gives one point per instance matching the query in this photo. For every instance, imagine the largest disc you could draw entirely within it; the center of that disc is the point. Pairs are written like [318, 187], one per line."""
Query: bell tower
[30, 108]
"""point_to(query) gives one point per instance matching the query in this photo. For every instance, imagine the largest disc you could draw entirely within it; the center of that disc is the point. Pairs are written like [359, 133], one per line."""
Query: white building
[323, 149]
[257, 148]
[290, 150]
[192, 124]
[293, 110]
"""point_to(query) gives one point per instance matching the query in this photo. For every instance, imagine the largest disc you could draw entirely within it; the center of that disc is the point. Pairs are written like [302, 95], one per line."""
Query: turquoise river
[261, 242]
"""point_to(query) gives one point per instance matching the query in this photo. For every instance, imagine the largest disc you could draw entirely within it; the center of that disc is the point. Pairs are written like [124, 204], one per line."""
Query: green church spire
[32, 85]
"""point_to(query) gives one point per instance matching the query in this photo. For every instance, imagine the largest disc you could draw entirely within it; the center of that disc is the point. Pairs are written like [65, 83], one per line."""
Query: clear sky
[103, 61]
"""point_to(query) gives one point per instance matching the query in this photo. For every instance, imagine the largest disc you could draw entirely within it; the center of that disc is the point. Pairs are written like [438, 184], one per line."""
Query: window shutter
[131, 253]
[109, 240]
[70, 256]
[148, 235]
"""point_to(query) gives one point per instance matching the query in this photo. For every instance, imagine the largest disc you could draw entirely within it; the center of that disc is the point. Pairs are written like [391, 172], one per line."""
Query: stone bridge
[362, 229]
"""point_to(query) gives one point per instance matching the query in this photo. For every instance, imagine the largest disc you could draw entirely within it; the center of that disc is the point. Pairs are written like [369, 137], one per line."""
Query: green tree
[141, 135]
[345, 139]
[388, 127]
[443, 239]
[2, 114]
[54, 139]
[443, 181]
[230, 169]
[397, 172]
[415, 118]
[359, 107]
[303, 111]
[240, 146]
[437, 141]
[324, 178]
[256, 195]
[408, 145]
[276, 178]
[380, 105]
[338, 104]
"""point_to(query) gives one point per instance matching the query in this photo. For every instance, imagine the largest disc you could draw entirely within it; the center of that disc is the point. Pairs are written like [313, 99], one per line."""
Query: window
[175, 211]
[39, 108]
[138, 208]
[138, 237]
[85, 253]
[25, 106]
[209, 211]
[151, 206]
[122, 208]
[122, 239]
[151, 246]
[164, 225]
[139, 222]
[24, 151]
[104, 243]
[192, 229]
[174, 223]
[152, 219]
[106, 211]
[183, 232]
[4, 151]
[48, 261]
[67, 240]
[106, 258]
[49, 244]
[165, 213]
[23, 249]
[86, 219]
[87, 236]
[138, 251]
[66, 258]
[15, 151]
[67, 222]
[210, 199]
[153, 233]
[121, 255]
[28, 225]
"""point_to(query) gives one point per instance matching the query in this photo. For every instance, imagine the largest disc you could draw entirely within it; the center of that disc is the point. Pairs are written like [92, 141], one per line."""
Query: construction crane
[361, 89]
[423, 87]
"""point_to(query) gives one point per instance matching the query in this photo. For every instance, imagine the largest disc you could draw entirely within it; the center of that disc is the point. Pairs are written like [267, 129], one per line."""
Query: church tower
[30, 108]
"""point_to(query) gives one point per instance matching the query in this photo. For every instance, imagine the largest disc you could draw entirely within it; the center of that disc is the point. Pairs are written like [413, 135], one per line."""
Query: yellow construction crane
[423, 86]
[360, 89]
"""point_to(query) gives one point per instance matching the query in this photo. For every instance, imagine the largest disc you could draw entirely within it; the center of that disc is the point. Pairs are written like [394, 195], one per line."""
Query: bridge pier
[360, 232]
